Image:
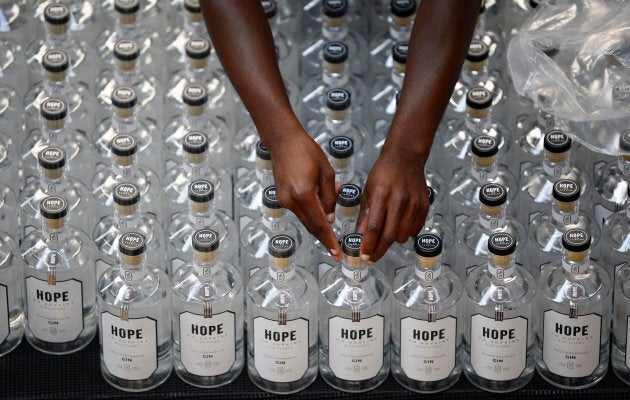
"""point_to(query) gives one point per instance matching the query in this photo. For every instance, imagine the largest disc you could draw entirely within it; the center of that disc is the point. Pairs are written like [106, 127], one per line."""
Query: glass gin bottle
[611, 181]
[615, 244]
[621, 322]
[11, 297]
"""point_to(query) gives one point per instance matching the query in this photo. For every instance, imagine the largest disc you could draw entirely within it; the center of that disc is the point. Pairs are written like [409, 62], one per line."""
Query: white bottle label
[427, 349]
[571, 345]
[498, 349]
[281, 351]
[4, 313]
[208, 346]
[355, 350]
[55, 312]
[129, 347]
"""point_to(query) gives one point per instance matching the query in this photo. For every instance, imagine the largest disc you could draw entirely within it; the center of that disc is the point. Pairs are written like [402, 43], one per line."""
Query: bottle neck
[428, 269]
[126, 77]
[556, 164]
[55, 234]
[281, 270]
[492, 217]
[195, 122]
[346, 218]
[399, 33]
[274, 219]
[355, 270]
[477, 121]
[335, 32]
[501, 268]
[474, 72]
[565, 214]
[133, 268]
[344, 169]
[58, 88]
[204, 264]
[201, 214]
[264, 173]
[127, 170]
[337, 77]
[127, 217]
[194, 165]
[483, 169]
[338, 122]
[52, 182]
[575, 264]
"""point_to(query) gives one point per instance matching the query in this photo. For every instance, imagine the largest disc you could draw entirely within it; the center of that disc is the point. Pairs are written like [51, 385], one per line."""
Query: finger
[411, 221]
[372, 229]
[390, 230]
[311, 214]
[328, 192]
[364, 209]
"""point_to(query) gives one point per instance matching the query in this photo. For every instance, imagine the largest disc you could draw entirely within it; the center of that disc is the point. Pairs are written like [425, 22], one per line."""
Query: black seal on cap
[127, 6]
[201, 191]
[270, 7]
[403, 8]
[430, 195]
[262, 152]
[351, 244]
[479, 98]
[566, 190]
[126, 50]
[335, 8]
[132, 244]
[557, 141]
[123, 145]
[126, 194]
[57, 14]
[338, 99]
[53, 207]
[205, 240]
[281, 246]
[192, 6]
[349, 195]
[624, 141]
[51, 157]
[124, 97]
[478, 51]
[335, 52]
[576, 240]
[195, 143]
[341, 147]
[194, 95]
[492, 194]
[53, 109]
[55, 61]
[198, 48]
[428, 245]
[484, 146]
[501, 244]
[270, 198]
[399, 52]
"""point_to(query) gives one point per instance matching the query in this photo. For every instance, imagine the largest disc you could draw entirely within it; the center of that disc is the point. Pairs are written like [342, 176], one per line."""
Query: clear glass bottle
[85, 21]
[187, 23]
[11, 113]
[573, 322]
[427, 326]
[58, 282]
[134, 301]
[500, 338]
[615, 243]
[207, 316]
[354, 329]
[11, 172]
[350, 13]
[384, 91]
[287, 50]
[621, 316]
[528, 124]
[282, 322]
[11, 296]
[341, 156]
[18, 25]
[10, 212]
[201, 215]
[611, 182]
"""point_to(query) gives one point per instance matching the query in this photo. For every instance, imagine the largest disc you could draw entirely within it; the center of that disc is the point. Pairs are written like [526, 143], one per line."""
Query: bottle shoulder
[555, 285]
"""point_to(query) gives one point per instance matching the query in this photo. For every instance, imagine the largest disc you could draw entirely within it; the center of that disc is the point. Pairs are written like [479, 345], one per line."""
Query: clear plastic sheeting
[573, 59]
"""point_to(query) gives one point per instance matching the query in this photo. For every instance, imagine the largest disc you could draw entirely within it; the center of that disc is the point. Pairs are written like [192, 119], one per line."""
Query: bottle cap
[126, 194]
[126, 50]
[53, 109]
[57, 14]
[576, 240]
[262, 152]
[335, 8]
[281, 246]
[127, 6]
[270, 7]
[51, 157]
[124, 97]
[399, 52]
[198, 48]
[431, 195]
[338, 99]
[485, 146]
[195, 143]
[501, 244]
[534, 3]
[492, 194]
[351, 245]
[53, 207]
[55, 61]
[335, 52]
[270, 198]
[479, 98]
[349, 195]
[192, 6]
[205, 240]
[132, 244]
[402, 8]
[123, 145]
[341, 147]
[566, 190]
[624, 141]
[477, 51]
[428, 245]
[195, 95]
[557, 141]
[201, 191]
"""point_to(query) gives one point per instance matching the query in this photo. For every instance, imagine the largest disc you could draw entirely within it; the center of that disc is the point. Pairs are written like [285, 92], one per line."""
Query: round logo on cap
[428, 245]
[197, 48]
[399, 52]
[479, 98]
[624, 141]
[576, 240]
[492, 194]
[195, 95]
[192, 6]
[57, 14]
[123, 145]
[55, 61]
[270, 8]
[270, 197]
[566, 190]
[349, 195]
[205, 240]
[126, 6]
[281, 246]
[351, 244]
[53, 109]
[403, 8]
[132, 244]
[201, 191]
[335, 8]
[341, 147]
[477, 51]
[557, 141]
[335, 52]
[501, 244]
[126, 194]
[126, 50]
[124, 97]
[338, 99]
[51, 157]
[53, 207]
[485, 146]
[195, 142]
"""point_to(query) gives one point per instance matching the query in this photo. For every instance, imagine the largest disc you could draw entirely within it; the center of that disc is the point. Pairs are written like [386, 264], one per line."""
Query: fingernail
[331, 217]
[333, 252]
[365, 257]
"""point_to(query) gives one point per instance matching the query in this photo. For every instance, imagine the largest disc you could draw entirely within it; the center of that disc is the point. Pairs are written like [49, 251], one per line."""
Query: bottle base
[573, 383]
[426, 387]
[281, 388]
[159, 377]
[208, 382]
[354, 386]
[61, 348]
[499, 386]
[10, 343]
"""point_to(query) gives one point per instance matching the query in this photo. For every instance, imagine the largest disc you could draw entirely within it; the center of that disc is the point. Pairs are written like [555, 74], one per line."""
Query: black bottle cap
[126, 194]
[399, 52]
[192, 6]
[205, 240]
[335, 8]
[335, 52]
[534, 3]
[477, 51]
[262, 152]
[624, 141]
[341, 147]
[576, 240]
[57, 14]
[195, 143]
[53, 207]
[281, 246]
[126, 50]
[53, 109]
[198, 48]
[492, 194]
[349, 195]
[351, 244]
[124, 97]
[194, 95]
[479, 98]
[403, 8]
[566, 190]
[557, 141]
[51, 157]
[132, 244]
[431, 195]
[484, 146]
[123, 145]
[270, 7]
[127, 6]
[501, 244]
[55, 61]
[201, 191]
[428, 245]
[270, 198]
[338, 99]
